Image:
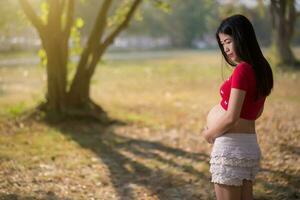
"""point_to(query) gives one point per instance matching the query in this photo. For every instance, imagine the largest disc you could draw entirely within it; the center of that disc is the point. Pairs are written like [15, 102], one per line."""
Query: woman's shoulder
[243, 67]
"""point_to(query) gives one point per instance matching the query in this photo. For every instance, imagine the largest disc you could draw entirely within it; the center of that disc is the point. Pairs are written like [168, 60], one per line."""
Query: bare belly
[241, 126]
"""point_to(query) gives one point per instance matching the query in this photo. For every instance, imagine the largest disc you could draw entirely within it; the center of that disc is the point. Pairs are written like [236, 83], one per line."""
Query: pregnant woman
[230, 127]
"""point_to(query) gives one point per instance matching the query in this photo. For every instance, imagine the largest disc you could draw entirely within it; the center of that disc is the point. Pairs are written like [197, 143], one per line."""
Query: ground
[155, 150]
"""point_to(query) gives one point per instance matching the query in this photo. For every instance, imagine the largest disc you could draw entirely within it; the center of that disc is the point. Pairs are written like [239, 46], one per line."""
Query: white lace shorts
[234, 157]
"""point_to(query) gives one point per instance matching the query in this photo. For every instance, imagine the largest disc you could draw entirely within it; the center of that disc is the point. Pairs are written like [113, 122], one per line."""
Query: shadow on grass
[126, 171]
[161, 169]
[290, 149]
[139, 163]
[46, 195]
[285, 187]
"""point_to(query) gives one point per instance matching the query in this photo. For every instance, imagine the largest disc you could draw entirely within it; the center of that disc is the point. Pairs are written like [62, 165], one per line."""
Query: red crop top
[243, 78]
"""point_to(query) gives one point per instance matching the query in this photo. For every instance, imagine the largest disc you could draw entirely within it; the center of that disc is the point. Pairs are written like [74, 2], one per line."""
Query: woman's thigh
[226, 192]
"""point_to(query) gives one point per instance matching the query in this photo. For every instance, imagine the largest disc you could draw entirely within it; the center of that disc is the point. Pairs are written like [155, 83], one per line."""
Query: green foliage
[163, 5]
[44, 11]
[138, 15]
[16, 110]
[76, 49]
[44, 7]
[119, 14]
[76, 36]
[43, 57]
[79, 23]
[182, 21]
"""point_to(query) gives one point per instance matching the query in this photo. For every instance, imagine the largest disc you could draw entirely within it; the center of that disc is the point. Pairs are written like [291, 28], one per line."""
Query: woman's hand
[207, 136]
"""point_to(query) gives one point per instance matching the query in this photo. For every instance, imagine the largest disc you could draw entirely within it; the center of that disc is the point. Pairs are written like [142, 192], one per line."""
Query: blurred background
[175, 24]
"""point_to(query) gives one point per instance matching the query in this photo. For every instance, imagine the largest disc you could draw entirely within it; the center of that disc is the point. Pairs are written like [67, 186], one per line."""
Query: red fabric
[243, 78]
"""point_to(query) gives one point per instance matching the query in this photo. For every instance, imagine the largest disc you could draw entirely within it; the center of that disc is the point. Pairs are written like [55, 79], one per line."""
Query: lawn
[156, 151]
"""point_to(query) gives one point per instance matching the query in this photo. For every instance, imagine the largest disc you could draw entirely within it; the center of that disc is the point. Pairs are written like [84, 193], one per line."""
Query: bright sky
[253, 3]
[248, 3]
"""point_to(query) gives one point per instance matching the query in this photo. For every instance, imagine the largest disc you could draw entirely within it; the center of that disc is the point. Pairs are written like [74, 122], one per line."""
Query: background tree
[183, 23]
[284, 15]
[187, 21]
[54, 26]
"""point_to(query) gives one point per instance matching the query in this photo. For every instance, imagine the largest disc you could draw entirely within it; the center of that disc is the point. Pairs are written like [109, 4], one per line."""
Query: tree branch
[102, 46]
[122, 26]
[54, 17]
[96, 34]
[70, 18]
[100, 24]
[32, 16]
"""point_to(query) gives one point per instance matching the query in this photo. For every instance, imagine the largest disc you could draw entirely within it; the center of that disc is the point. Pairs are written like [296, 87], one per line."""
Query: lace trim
[228, 181]
[232, 161]
[235, 152]
[234, 172]
[230, 175]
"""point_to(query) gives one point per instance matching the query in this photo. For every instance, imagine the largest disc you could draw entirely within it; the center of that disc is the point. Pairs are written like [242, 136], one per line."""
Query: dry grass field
[156, 152]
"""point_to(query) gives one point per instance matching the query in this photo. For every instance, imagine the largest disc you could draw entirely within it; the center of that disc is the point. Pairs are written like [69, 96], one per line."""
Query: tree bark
[54, 37]
[56, 73]
[79, 94]
[284, 16]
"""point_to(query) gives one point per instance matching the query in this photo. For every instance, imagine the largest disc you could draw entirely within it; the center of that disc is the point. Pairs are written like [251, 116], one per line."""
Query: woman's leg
[247, 190]
[225, 192]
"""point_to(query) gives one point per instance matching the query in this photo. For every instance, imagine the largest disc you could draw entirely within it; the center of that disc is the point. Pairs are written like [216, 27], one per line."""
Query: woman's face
[228, 46]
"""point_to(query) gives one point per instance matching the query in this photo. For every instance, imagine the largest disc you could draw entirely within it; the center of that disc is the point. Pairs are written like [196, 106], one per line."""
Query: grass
[158, 153]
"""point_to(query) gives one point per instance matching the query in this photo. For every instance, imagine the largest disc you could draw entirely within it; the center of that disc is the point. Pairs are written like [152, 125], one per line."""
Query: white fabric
[234, 157]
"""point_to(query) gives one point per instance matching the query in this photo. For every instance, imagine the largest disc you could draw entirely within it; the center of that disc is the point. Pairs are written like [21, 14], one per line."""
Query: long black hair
[248, 50]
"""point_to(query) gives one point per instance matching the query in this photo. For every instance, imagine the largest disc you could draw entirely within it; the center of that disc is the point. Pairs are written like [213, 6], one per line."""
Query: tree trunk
[56, 76]
[284, 17]
[282, 50]
[79, 94]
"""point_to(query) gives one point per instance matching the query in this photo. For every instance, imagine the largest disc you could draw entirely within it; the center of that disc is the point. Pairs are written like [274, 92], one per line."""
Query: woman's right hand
[207, 136]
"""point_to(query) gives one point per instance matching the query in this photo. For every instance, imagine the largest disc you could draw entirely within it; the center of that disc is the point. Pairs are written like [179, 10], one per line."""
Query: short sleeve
[240, 76]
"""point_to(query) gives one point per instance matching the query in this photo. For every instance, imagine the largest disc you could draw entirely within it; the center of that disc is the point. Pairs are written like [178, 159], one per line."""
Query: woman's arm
[227, 121]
